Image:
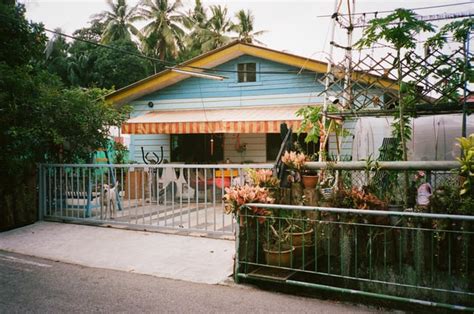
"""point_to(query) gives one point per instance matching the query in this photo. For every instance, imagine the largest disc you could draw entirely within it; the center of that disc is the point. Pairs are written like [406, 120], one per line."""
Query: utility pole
[347, 99]
[328, 75]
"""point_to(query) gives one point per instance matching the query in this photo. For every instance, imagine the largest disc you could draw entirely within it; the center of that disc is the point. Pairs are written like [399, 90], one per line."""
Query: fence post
[41, 191]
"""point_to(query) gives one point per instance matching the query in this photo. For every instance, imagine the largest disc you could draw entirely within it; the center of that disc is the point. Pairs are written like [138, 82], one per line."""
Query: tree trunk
[402, 128]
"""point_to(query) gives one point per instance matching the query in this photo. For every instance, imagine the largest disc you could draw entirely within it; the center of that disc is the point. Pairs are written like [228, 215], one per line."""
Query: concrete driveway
[200, 260]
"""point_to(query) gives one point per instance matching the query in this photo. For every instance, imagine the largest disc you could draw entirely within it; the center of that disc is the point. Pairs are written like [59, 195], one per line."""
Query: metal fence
[170, 196]
[419, 258]
[392, 182]
[351, 241]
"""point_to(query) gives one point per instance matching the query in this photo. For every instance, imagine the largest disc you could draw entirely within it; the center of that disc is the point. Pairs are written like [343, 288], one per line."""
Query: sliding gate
[172, 196]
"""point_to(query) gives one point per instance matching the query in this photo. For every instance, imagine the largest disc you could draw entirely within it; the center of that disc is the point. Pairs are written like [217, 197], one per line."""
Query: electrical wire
[168, 64]
[389, 11]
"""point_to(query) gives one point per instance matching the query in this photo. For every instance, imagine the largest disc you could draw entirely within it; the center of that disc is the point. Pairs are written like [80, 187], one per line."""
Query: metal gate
[171, 196]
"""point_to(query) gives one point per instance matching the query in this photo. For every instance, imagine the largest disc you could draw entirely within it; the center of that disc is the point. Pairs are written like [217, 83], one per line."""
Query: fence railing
[400, 256]
[176, 196]
[393, 182]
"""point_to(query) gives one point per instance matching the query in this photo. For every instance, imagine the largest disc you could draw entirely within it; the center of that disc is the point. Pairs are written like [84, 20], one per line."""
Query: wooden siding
[256, 148]
[150, 143]
[198, 92]
[346, 144]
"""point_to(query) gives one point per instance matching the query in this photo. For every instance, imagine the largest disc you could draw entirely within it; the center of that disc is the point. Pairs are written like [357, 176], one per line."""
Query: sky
[291, 25]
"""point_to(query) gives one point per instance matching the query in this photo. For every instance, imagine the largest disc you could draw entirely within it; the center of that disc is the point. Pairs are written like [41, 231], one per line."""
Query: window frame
[236, 82]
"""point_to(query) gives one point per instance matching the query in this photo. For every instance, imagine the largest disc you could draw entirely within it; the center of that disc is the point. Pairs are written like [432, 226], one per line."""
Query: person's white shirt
[423, 194]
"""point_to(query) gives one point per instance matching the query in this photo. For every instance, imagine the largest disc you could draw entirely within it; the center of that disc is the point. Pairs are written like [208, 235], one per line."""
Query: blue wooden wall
[270, 89]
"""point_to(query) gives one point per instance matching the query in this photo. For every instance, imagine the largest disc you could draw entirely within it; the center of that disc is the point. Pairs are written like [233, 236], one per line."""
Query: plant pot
[277, 257]
[297, 238]
[310, 181]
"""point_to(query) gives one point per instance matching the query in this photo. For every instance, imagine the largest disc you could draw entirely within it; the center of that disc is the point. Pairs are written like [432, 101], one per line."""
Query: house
[236, 118]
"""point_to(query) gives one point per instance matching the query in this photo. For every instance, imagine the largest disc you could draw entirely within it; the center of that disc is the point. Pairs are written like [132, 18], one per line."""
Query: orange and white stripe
[238, 120]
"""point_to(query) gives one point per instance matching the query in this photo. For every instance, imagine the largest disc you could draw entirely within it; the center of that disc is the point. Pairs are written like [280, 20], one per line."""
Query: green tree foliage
[217, 29]
[118, 21]
[86, 65]
[20, 40]
[459, 30]
[41, 119]
[168, 35]
[57, 56]
[92, 33]
[116, 69]
[399, 29]
[191, 43]
[163, 29]
[458, 72]
[244, 27]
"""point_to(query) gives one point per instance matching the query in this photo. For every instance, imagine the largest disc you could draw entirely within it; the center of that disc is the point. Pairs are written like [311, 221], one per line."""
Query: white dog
[110, 199]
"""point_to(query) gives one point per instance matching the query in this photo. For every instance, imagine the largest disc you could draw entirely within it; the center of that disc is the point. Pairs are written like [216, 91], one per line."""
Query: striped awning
[235, 120]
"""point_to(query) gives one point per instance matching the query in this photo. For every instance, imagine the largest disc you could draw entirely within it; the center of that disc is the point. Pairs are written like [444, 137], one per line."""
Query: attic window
[247, 72]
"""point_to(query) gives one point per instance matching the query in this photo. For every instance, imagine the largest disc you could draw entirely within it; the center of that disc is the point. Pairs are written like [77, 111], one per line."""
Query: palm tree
[81, 70]
[194, 21]
[161, 34]
[215, 34]
[118, 21]
[57, 54]
[197, 17]
[244, 28]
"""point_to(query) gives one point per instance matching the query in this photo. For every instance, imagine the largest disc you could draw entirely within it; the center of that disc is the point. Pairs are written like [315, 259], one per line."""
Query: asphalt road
[33, 285]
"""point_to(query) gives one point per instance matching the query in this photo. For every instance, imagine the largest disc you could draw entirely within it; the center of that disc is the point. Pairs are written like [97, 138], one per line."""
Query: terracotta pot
[310, 182]
[280, 258]
[296, 238]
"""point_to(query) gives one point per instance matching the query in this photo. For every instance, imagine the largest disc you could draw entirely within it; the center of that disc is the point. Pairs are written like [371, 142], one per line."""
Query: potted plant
[299, 232]
[238, 198]
[278, 251]
[309, 177]
[326, 186]
[237, 201]
[295, 162]
[264, 178]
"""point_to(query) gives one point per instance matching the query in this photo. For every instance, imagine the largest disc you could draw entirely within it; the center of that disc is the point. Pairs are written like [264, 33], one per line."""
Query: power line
[167, 64]
[388, 11]
[434, 17]
[109, 47]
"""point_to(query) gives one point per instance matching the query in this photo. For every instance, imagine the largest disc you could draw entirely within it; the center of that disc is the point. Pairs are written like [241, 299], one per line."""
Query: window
[197, 148]
[274, 144]
[247, 72]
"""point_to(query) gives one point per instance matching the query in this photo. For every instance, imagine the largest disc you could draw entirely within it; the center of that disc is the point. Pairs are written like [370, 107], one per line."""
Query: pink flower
[294, 160]
[236, 196]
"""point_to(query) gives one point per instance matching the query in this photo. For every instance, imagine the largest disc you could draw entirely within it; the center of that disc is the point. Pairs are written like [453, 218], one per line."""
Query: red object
[218, 181]
[119, 139]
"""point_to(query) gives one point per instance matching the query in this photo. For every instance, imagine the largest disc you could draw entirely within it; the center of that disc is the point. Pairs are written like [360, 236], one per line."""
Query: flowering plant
[294, 160]
[238, 196]
[263, 178]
